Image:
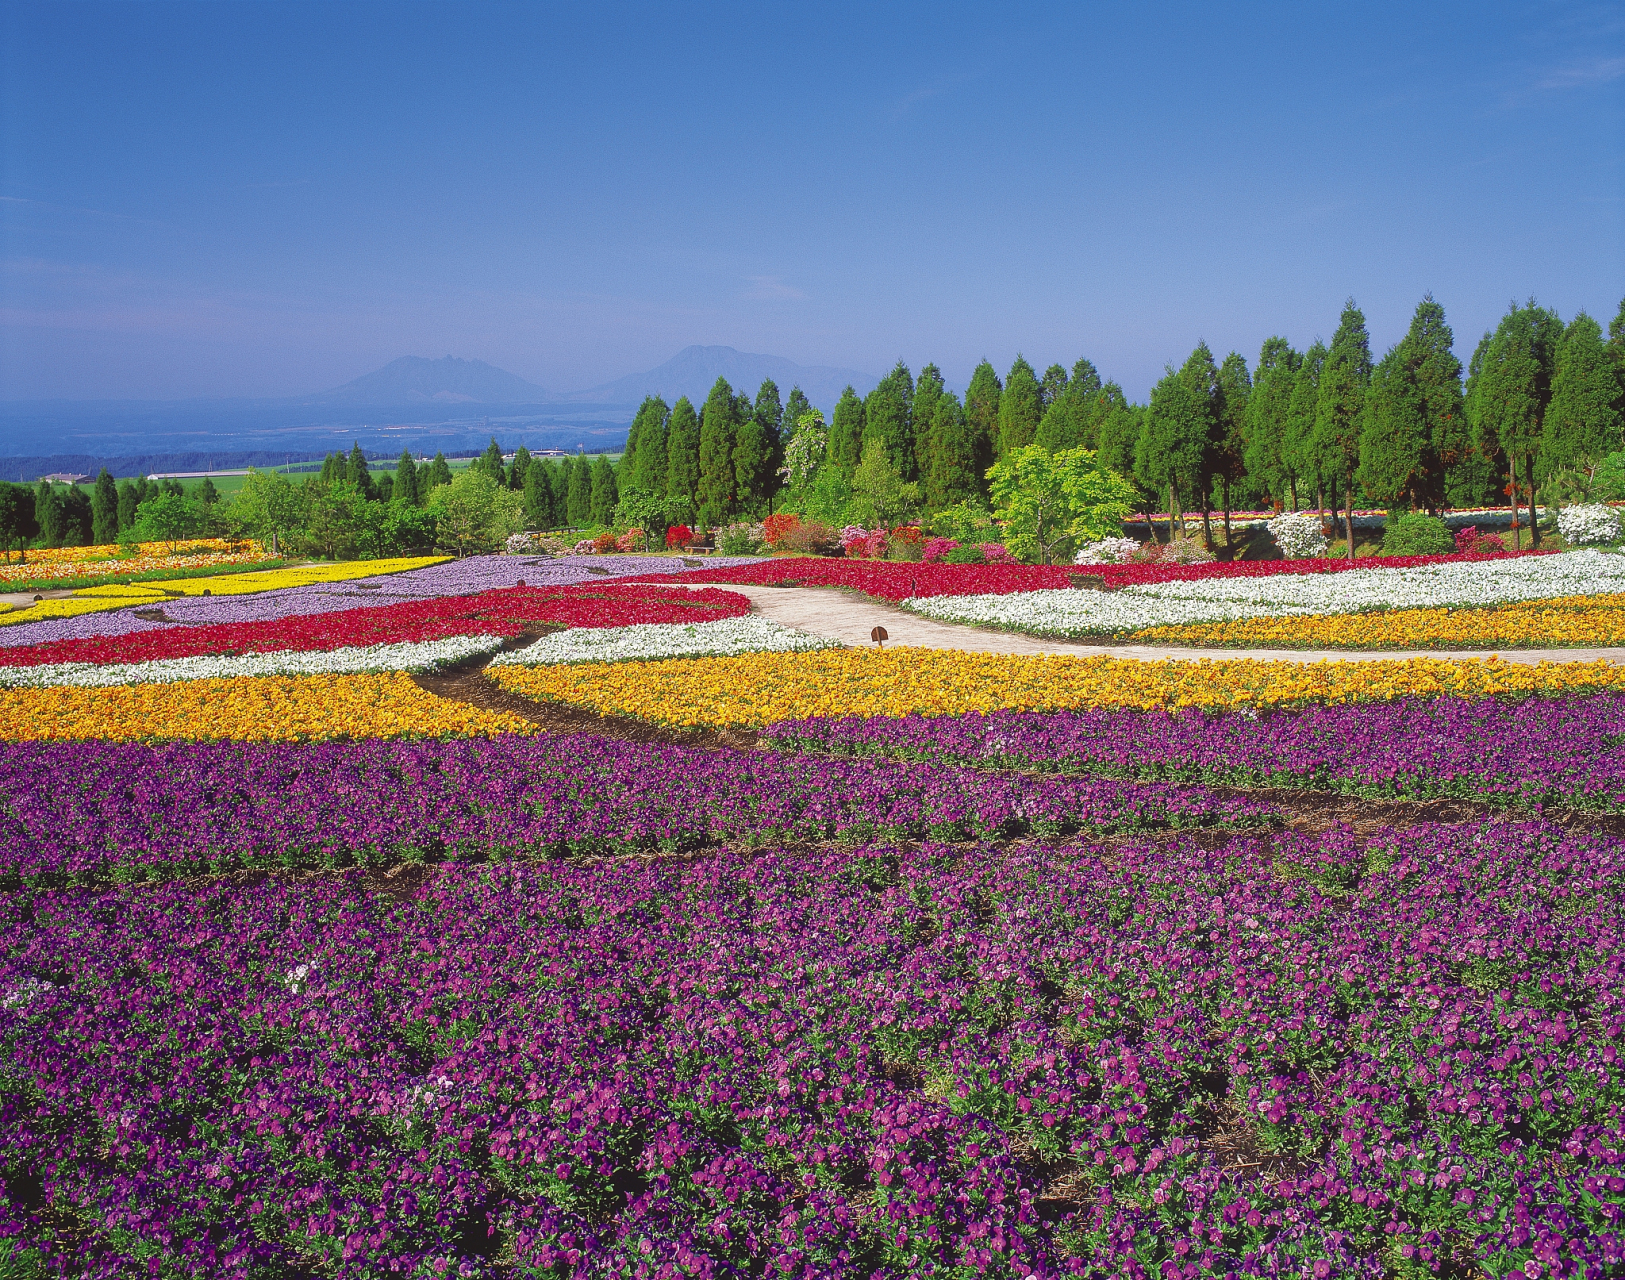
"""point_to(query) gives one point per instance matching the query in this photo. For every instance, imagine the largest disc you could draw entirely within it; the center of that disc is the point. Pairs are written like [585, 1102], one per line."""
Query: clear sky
[270, 199]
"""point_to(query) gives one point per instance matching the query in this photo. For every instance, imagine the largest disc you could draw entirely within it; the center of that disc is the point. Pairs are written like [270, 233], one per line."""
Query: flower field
[75, 564]
[337, 940]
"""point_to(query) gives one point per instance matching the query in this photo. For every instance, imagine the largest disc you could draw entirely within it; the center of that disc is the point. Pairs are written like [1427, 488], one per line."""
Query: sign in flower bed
[94, 811]
[1544, 751]
[500, 613]
[1275, 1057]
[902, 581]
[760, 688]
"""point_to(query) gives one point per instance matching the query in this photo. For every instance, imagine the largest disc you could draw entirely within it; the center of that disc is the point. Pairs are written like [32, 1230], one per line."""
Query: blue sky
[270, 199]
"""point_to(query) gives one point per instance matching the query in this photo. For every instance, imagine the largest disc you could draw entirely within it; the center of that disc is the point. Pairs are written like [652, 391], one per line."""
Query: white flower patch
[1298, 536]
[1076, 614]
[1588, 523]
[421, 655]
[1107, 551]
[722, 638]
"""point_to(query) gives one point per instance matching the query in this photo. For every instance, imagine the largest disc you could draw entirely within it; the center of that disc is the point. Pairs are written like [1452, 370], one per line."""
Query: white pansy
[1448, 585]
[423, 655]
[725, 636]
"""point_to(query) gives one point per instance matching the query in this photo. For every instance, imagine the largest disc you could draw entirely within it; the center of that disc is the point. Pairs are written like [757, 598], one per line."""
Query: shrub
[859, 543]
[1470, 540]
[741, 539]
[997, 553]
[603, 542]
[775, 529]
[1417, 534]
[1300, 536]
[935, 549]
[679, 537]
[1107, 551]
[631, 540]
[971, 554]
[811, 537]
[1588, 524]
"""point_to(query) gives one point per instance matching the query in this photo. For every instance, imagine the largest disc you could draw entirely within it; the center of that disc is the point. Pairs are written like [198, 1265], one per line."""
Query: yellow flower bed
[108, 550]
[154, 562]
[758, 688]
[246, 709]
[96, 599]
[1566, 620]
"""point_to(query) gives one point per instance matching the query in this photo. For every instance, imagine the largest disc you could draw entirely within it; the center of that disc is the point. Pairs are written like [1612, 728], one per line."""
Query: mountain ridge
[694, 369]
[448, 380]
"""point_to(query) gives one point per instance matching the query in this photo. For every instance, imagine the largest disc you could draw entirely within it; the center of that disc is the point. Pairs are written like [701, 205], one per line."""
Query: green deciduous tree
[475, 513]
[888, 417]
[1582, 424]
[167, 517]
[17, 525]
[846, 434]
[1272, 472]
[719, 426]
[1048, 503]
[269, 507]
[881, 498]
[104, 509]
[795, 408]
[1021, 407]
[683, 454]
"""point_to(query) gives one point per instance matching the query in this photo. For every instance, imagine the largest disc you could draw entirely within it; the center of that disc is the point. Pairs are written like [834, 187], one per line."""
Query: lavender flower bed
[451, 578]
[1290, 1057]
[1561, 751]
[88, 811]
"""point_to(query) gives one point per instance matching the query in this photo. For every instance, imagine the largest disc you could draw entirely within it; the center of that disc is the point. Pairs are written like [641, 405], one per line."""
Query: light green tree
[881, 498]
[167, 517]
[474, 513]
[269, 506]
[1048, 503]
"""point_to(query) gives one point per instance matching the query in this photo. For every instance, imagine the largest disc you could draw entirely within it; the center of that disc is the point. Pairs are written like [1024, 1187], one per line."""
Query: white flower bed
[1584, 525]
[721, 638]
[1075, 614]
[422, 655]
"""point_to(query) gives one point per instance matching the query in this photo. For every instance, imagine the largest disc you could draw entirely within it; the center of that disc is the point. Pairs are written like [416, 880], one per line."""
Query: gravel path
[849, 618]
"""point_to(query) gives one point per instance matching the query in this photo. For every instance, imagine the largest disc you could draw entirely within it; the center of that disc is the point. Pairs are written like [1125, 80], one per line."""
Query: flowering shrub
[742, 538]
[1588, 524]
[1107, 551]
[1471, 540]
[631, 540]
[534, 544]
[776, 528]
[585, 547]
[997, 553]
[858, 543]
[603, 542]
[679, 537]
[1299, 535]
[935, 549]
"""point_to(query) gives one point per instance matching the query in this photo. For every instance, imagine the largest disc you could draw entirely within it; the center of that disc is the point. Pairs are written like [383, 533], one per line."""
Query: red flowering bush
[775, 529]
[603, 543]
[1470, 540]
[679, 537]
[506, 612]
[935, 549]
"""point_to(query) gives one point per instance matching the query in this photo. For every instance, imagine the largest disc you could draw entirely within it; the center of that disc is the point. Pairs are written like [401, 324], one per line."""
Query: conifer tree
[49, 515]
[756, 450]
[769, 414]
[718, 429]
[1268, 467]
[846, 434]
[1616, 349]
[953, 476]
[923, 417]
[1052, 386]
[355, 471]
[578, 492]
[1510, 390]
[491, 462]
[683, 454]
[646, 470]
[1415, 428]
[439, 473]
[1117, 430]
[127, 503]
[538, 495]
[1298, 442]
[982, 414]
[1021, 406]
[332, 470]
[604, 494]
[104, 509]
[515, 479]
[406, 481]
[1228, 447]
[1340, 406]
[1168, 456]
[887, 411]
[1582, 424]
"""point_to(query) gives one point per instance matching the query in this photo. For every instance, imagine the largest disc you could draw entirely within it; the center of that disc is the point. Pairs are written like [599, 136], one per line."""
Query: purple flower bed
[453, 578]
[89, 811]
[1279, 1057]
[1539, 751]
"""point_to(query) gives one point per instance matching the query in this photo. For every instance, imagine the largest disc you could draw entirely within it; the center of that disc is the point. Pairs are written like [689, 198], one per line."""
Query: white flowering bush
[742, 538]
[1300, 536]
[1587, 524]
[648, 641]
[415, 655]
[534, 544]
[1107, 551]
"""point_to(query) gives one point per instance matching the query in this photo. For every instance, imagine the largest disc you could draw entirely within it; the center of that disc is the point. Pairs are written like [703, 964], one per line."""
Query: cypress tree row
[887, 414]
[603, 494]
[927, 390]
[1264, 456]
[645, 467]
[1509, 391]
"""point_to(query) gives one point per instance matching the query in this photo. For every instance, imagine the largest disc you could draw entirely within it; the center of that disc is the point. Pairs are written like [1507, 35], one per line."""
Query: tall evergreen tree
[756, 450]
[1228, 448]
[1052, 386]
[1021, 406]
[578, 492]
[1072, 408]
[1582, 423]
[604, 493]
[922, 417]
[128, 501]
[539, 495]
[1173, 441]
[846, 434]
[718, 428]
[520, 468]
[439, 473]
[1117, 430]
[1616, 348]
[104, 509]
[982, 398]
[768, 413]
[355, 471]
[491, 462]
[887, 414]
[333, 470]
[49, 515]
[683, 454]
[1414, 419]
[1265, 458]
[952, 476]
[1298, 444]
[645, 467]
[405, 491]
[1510, 389]
[1340, 406]
[78, 521]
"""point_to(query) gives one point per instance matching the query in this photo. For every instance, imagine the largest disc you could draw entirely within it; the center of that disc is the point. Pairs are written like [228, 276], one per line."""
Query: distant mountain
[693, 370]
[415, 380]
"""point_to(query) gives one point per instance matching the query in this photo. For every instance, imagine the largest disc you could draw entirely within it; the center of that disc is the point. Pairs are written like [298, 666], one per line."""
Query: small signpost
[879, 636]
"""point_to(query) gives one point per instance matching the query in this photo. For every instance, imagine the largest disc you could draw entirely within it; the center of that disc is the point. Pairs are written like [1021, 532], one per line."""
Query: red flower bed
[505, 612]
[893, 581]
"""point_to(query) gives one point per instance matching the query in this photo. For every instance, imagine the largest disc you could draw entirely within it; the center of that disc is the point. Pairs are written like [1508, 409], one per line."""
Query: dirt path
[849, 618]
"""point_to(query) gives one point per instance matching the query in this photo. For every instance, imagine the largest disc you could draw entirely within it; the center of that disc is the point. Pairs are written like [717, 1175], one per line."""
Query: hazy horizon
[205, 201]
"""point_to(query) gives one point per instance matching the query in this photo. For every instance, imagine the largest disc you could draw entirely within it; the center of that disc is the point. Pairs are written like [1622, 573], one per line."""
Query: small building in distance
[63, 477]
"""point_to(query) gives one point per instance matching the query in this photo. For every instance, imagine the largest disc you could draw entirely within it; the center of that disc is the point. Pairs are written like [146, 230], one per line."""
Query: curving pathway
[824, 611]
